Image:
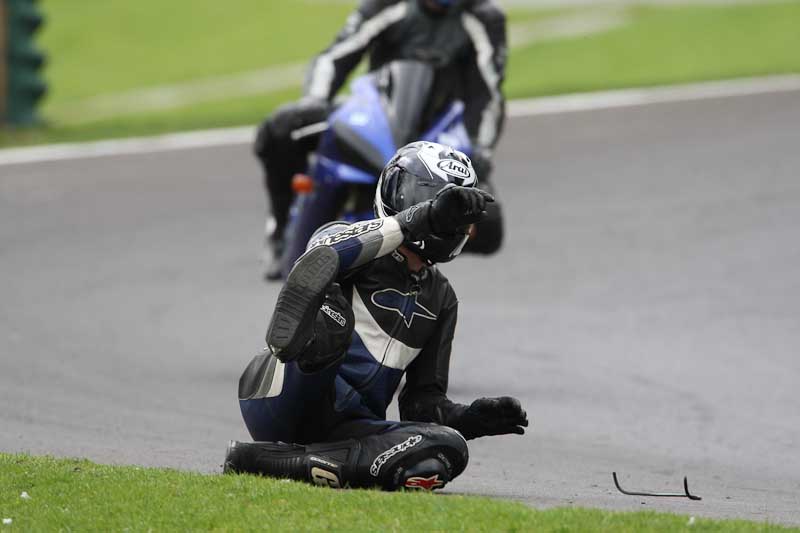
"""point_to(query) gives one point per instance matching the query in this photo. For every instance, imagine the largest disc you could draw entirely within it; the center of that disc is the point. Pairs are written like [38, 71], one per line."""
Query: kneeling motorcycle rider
[362, 307]
[465, 40]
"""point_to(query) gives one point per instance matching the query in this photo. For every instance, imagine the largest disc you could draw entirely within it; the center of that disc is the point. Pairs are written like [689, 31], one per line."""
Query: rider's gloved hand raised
[455, 207]
[452, 208]
[492, 416]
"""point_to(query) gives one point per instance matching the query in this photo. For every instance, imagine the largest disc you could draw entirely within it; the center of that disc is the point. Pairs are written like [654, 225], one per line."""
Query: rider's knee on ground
[413, 455]
[410, 455]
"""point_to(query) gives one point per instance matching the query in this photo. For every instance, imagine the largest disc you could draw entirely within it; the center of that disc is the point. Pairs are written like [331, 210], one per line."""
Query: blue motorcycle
[387, 109]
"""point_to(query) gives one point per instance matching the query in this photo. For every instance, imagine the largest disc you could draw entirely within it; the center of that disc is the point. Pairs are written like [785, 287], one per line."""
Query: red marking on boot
[425, 483]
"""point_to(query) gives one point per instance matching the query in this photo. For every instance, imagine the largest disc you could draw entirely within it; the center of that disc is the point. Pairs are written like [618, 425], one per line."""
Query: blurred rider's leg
[281, 157]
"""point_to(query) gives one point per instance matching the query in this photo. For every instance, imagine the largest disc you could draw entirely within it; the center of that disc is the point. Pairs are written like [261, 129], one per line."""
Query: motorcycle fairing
[360, 126]
[362, 138]
[330, 171]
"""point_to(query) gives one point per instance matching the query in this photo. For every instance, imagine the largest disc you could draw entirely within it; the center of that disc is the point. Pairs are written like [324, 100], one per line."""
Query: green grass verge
[665, 45]
[211, 115]
[104, 47]
[77, 495]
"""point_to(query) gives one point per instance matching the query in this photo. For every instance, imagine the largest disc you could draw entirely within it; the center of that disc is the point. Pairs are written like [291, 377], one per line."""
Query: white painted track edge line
[599, 100]
[128, 146]
[568, 103]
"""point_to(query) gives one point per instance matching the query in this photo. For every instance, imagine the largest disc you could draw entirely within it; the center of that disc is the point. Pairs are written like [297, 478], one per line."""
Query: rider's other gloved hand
[492, 416]
[455, 207]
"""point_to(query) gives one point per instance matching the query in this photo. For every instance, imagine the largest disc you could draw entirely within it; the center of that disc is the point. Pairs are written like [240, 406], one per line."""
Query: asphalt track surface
[645, 308]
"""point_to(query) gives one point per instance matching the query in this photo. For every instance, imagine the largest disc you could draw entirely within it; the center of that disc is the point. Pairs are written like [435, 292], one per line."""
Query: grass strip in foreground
[69, 494]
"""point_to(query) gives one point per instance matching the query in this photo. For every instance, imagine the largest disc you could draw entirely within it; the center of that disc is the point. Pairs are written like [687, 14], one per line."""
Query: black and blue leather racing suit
[404, 323]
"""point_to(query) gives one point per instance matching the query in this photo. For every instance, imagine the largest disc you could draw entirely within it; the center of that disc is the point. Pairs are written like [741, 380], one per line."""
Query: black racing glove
[453, 207]
[492, 416]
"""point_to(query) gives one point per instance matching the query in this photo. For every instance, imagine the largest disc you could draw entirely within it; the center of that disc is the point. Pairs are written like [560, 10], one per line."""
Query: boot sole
[300, 298]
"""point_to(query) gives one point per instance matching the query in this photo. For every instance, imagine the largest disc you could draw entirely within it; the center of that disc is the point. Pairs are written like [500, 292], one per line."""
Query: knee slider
[428, 474]
[414, 455]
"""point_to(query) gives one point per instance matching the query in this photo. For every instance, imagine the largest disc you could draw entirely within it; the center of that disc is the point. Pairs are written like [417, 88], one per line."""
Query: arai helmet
[415, 174]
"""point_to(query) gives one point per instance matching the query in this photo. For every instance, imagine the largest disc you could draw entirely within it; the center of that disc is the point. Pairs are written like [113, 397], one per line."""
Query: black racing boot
[333, 328]
[413, 455]
[292, 326]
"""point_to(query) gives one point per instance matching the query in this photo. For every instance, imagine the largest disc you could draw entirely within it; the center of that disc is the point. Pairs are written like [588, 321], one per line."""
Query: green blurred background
[123, 67]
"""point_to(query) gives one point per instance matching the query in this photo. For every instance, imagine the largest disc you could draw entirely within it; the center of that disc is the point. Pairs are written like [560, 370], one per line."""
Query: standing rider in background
[465, 40]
